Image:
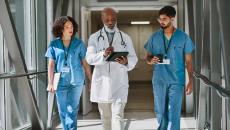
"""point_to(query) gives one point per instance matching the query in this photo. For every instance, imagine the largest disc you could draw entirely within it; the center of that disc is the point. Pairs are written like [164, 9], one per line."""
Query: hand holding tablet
[115, 55]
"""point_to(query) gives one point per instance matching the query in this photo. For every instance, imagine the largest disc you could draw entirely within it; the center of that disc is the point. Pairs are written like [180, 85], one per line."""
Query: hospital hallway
[26, 34]
[139, 113]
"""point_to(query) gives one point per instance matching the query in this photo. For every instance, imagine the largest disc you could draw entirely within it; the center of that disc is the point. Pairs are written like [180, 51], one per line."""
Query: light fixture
[140, 22]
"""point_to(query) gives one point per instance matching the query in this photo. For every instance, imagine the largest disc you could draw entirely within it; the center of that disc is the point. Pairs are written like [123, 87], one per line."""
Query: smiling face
[165, 21]
[67, 31]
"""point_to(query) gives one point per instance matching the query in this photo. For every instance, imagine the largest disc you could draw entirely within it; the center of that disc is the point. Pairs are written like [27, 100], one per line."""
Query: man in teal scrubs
[168, 50]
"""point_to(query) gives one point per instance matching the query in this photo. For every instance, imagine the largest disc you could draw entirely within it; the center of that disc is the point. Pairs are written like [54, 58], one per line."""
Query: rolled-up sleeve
[82, 51]
[148, 45]
[50, 53]
[189, 45]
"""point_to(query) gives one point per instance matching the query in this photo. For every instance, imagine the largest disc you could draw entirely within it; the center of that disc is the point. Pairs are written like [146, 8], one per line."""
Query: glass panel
[24, 18]
[23, 13]
[13, 112]
[17, 11]
[15, 109]
[228, 119]
[2, 109]
[2, 87]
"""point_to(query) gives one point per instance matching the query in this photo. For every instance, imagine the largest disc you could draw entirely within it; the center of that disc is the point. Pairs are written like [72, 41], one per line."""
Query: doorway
[140, 91]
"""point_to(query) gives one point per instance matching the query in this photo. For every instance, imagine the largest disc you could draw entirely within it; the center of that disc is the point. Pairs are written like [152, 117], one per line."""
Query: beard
[110, 28]
[165, 26]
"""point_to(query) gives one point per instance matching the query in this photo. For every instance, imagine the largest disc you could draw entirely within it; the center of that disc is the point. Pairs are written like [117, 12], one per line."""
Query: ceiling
[123, 0]
[125, 17]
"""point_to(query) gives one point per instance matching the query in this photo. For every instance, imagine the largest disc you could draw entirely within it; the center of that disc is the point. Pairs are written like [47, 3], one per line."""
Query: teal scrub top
[76, 53]
[180, 45]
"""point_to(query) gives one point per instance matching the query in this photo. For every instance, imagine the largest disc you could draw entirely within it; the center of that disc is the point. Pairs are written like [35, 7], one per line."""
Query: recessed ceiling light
[140, 22]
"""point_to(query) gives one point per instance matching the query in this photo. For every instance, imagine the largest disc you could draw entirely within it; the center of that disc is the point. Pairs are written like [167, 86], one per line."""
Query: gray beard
[110, 30]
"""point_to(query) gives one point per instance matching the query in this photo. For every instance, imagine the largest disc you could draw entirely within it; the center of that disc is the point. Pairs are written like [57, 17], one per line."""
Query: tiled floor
[140, 97]
[139, 114]
[133, 121]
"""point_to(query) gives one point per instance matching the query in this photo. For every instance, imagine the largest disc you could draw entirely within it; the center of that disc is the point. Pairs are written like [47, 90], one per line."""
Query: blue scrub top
[180, 45]
[76, 54]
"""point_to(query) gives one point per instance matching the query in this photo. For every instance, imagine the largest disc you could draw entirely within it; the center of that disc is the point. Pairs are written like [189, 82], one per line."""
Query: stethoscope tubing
[103, 38]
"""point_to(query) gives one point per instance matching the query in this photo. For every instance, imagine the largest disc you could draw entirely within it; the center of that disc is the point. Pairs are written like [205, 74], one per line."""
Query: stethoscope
[103, 38]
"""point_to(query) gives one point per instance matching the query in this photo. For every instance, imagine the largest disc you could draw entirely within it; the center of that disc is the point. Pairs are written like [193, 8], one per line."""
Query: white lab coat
[109, 79]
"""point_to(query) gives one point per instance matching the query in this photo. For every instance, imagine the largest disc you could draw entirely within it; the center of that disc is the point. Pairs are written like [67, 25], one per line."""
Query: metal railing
[35, 123]
[220, 90]
[10, 75]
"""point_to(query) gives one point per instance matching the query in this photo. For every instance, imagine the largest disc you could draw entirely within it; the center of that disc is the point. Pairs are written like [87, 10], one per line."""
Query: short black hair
[59, 23]
[168, 11]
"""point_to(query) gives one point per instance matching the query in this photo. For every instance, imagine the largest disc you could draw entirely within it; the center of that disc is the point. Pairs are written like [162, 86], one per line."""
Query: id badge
[165, 62]
[66, 69]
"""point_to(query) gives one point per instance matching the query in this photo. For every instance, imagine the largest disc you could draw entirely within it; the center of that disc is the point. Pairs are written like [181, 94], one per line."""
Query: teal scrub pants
[68, 105]
[167, 105]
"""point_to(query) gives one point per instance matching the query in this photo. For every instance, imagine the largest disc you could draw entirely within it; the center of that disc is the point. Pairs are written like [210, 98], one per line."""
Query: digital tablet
[115, 55]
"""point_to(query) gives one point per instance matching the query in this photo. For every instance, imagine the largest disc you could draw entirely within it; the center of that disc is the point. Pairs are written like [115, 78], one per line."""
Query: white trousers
[112, 115]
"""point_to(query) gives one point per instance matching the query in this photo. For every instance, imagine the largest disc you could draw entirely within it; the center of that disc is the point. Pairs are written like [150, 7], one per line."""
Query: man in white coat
[109, 87]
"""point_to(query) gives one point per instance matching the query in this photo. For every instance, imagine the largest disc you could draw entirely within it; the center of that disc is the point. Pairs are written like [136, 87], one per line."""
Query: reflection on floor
[135, 124]
[133, 121]
[139, 114]
[140, 97]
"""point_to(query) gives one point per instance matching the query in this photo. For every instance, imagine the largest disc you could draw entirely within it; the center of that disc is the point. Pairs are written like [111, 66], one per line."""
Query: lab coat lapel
[116, 37]
[106, 41]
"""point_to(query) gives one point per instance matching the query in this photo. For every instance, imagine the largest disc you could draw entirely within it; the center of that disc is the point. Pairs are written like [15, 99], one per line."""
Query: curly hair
[59, 23]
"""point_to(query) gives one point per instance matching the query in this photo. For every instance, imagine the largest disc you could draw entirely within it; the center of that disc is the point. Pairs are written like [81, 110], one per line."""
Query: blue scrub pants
[68, 105]
[167, 105]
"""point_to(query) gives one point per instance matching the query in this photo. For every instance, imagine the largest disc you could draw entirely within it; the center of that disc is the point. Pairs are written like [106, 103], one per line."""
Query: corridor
[26, 32]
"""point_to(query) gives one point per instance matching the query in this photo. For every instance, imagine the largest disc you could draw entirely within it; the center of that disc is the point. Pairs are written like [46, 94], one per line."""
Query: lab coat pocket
[97, 74]
[123, 76]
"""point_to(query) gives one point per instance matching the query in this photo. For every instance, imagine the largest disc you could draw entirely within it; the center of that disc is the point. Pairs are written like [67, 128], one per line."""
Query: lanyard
[166, 49]
[66, 53]
[111, 42]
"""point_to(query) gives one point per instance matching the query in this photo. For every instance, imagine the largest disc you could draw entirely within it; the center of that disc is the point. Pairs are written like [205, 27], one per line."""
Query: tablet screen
[115, 55]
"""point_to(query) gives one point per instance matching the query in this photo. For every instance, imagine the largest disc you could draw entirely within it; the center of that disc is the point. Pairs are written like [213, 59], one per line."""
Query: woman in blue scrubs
[66, 54]
[175, 48]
